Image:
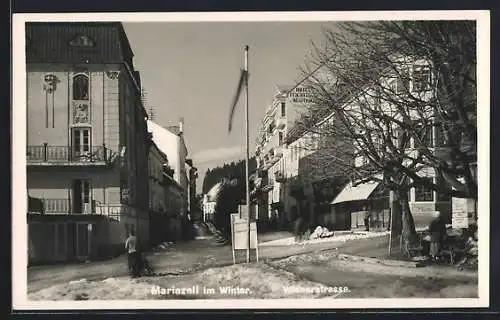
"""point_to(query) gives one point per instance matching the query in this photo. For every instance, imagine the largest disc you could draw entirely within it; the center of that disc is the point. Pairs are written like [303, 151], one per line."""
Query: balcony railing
[64, 206]
[46, 154]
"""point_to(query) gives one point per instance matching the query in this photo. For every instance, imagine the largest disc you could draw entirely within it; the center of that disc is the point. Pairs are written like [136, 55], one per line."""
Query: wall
[40, 129]
[104, 101]
[156, 188]
[104, 183]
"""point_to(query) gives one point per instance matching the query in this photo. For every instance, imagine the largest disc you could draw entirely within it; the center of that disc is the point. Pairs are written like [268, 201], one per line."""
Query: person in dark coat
[300, 227]
[132, 254]
[437, 230]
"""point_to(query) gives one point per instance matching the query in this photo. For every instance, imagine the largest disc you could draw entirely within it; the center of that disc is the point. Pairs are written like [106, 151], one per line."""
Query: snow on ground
[111, 288]
[336, 238]
[369, 280]
[341, 236]
[233, 282]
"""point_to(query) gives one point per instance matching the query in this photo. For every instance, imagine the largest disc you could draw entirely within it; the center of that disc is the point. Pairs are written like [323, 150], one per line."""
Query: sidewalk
[339, 236]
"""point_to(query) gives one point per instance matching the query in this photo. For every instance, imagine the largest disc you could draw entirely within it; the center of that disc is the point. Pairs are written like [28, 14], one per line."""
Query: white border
[19, 203]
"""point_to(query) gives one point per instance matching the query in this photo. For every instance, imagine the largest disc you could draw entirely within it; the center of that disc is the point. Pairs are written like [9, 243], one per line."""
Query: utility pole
[247, 152]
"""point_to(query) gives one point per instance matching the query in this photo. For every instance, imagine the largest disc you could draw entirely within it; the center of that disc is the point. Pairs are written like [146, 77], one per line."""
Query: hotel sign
[301, 95]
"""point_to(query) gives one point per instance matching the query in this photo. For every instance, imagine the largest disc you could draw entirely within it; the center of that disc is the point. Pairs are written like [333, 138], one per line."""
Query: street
[204, 264]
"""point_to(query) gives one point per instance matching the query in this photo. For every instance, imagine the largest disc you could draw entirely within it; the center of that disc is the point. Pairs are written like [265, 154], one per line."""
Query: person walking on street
[437, 230]
[131, 247]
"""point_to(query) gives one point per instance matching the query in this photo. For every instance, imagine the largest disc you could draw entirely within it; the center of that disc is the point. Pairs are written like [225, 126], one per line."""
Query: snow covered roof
[214, 191]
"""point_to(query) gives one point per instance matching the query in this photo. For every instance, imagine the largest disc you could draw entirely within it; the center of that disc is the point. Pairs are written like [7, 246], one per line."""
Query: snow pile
[256, 281]
[241, 281]
[321, 232]
[108, 289]
[469, 261]
[333, 238]
[162, 246]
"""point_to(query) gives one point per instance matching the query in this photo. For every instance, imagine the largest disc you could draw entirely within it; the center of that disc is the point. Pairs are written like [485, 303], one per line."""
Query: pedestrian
[298, 228]
[437, 230]
[131, 247]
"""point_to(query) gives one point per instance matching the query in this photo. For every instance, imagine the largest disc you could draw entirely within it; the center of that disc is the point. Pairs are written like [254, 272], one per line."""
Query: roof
[352, 193]
[76, 42]
[214, 191]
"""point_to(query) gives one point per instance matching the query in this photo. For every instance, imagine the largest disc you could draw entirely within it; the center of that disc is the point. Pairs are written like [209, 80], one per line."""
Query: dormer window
[81, 41]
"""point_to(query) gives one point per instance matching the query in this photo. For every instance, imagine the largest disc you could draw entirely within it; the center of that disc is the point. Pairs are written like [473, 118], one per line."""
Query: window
[280, 138]
[440, 136]
[423, 193]
[425, 137]
[421, 79]
[80, 87]
[283, 109]
[81, 143]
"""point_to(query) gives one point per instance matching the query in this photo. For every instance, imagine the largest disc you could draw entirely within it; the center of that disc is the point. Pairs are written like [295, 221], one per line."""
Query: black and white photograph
[251, 160]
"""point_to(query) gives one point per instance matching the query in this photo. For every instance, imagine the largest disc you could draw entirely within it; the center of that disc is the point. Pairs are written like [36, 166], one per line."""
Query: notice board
[239, 228]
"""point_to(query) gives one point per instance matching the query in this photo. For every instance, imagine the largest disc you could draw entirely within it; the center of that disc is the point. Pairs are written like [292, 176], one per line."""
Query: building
[158, 219]
[359, 200]
[279, 118]
[170, 141]
[87, 141]
[174, 202]
[210, 201]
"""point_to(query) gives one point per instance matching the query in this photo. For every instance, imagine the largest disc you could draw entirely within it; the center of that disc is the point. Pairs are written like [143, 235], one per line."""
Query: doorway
[81, 146]
[81, 196]
[82, 241]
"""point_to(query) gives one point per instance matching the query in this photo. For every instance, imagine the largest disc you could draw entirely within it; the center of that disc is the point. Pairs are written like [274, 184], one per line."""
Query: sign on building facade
[462, 213]
[301, 95]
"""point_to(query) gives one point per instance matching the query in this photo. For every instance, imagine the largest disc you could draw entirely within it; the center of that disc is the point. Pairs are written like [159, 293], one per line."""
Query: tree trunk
[409, 234]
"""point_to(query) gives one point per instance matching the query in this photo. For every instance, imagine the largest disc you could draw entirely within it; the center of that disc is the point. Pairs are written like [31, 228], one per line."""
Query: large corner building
[87, 141]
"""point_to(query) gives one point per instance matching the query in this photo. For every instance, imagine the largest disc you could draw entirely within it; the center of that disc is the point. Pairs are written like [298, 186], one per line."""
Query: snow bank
[321, 232]
[338, 236]
[242, 281]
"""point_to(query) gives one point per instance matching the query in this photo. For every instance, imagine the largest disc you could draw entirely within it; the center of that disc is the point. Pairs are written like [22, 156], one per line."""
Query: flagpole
[247, 151]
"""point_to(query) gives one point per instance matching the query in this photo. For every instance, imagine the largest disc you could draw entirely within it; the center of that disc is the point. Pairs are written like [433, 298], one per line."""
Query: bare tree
[401, 97]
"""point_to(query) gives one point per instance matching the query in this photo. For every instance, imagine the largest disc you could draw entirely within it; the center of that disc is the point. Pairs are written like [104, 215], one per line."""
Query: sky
[191, 70]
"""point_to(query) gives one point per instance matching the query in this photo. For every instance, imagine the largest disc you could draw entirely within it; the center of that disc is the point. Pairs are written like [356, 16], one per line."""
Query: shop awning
[359, 192]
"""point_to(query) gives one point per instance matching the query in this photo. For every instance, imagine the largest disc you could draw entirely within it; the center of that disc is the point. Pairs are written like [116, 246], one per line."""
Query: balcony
[46, 155]
[281, 123]
[279, 177]
[65, 206]
[278, 152]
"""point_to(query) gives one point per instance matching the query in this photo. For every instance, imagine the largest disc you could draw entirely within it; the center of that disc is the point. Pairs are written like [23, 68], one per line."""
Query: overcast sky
[191, 70]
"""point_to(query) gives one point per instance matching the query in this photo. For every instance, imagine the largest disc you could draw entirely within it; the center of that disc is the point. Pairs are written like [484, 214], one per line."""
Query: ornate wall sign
[81, 41]
[81, 112]
[112, 74]
[51, 81]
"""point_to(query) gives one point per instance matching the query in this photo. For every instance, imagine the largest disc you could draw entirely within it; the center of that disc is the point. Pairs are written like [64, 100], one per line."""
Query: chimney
[181, 125]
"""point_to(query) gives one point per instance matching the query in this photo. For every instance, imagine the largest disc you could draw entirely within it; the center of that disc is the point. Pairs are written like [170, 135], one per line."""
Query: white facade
[209, 201]
[173, 146]
[271, 150]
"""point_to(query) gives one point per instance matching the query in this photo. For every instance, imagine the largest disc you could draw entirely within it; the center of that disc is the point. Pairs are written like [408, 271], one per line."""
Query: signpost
[239, 235]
